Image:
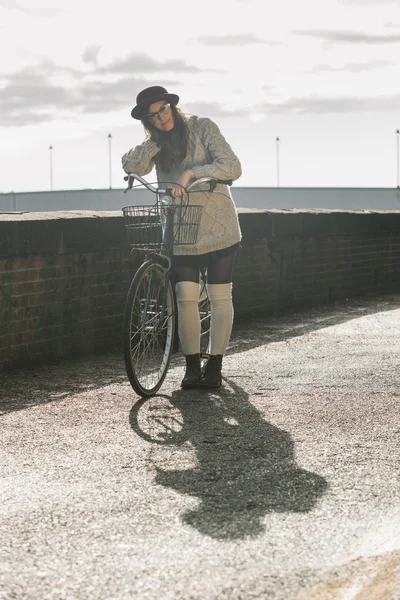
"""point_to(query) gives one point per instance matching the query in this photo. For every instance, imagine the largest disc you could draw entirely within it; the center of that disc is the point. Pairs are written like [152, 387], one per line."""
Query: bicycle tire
[205, 317]
[148, 334]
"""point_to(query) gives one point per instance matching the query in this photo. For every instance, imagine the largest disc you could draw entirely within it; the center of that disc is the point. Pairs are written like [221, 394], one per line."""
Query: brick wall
[63, 282]
[300, 258]
[64, 276]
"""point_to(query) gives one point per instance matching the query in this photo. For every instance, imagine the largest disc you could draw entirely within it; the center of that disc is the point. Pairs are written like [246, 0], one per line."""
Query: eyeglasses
[157, 115]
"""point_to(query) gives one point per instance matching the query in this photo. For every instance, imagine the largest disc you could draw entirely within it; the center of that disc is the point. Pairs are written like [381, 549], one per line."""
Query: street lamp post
[51, 167]
[109, 158]
[398, 158]
[277, 161]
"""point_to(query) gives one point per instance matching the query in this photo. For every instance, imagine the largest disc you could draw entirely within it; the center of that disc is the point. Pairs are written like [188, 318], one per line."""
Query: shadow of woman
[245, 466]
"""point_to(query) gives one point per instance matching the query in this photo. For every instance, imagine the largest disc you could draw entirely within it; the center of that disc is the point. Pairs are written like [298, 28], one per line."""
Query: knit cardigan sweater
[209, 155]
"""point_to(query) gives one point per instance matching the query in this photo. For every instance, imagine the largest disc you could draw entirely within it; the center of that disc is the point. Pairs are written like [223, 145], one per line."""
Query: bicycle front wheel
[149, 328]
[205, 315]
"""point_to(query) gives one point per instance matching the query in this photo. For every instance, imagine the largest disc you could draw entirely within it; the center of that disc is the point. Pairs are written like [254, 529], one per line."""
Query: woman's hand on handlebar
[179, 189]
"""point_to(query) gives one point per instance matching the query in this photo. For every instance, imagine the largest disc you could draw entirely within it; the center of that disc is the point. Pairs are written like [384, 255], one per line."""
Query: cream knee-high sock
[187, 298]
[220, 295]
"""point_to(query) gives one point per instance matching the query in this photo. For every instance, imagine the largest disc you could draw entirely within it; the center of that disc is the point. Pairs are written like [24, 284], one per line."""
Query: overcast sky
[321, 75]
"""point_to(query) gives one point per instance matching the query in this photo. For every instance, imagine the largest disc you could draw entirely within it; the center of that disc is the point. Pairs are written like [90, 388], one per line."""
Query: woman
[184, 148]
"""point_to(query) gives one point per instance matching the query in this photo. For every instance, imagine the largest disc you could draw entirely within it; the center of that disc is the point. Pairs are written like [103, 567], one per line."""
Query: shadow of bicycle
[245, 467]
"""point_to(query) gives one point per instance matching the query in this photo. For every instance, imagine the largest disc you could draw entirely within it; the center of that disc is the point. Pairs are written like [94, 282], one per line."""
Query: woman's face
[160, 115]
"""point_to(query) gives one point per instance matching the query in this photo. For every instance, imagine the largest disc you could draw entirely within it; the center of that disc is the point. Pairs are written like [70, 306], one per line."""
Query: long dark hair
[174, 143]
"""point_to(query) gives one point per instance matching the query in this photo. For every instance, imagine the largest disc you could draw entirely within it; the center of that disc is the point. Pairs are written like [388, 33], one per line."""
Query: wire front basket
[146, 225]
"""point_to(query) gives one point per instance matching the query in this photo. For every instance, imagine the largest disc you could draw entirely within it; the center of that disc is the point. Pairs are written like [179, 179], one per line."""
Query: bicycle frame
[167, 246]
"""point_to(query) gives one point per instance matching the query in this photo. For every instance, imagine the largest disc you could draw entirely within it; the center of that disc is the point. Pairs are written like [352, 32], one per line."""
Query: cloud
[355, 67]
[101, 97]
[49, 91]
[47, 68]
[27, 98]
[142, 63]
[91, 55]
[213, 109]
[368, 2]
[319, 105]
[30, 96]
[239, 39]
[34, 11]
[348, 37]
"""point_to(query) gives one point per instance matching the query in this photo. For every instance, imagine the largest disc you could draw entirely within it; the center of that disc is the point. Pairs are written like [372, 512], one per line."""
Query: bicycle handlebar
[131, 178]
[213, 182]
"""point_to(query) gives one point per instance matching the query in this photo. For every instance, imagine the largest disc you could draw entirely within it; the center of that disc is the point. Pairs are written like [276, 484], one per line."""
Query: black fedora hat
[150, 95]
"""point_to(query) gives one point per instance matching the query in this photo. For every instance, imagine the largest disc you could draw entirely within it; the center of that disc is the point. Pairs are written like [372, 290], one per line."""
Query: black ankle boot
[193, 372]
[212, 377]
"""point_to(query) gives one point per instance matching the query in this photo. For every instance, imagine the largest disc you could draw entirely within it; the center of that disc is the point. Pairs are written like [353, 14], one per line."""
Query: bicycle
[150, 315]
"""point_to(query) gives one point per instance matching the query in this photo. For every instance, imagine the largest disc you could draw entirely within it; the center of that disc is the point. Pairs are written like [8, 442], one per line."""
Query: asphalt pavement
[282, 485]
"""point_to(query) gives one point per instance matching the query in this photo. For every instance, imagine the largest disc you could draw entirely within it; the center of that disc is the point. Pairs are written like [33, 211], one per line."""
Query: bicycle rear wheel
[149, 328]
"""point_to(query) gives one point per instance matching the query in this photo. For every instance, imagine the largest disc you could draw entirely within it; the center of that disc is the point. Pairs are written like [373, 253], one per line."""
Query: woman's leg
[187, 298]
[219, 286]
[220, 295]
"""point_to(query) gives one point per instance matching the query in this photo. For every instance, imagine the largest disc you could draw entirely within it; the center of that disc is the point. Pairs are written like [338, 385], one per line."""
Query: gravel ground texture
[281, 485]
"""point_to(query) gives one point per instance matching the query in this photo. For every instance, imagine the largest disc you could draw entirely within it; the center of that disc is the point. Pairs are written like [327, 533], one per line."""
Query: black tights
[218, 271]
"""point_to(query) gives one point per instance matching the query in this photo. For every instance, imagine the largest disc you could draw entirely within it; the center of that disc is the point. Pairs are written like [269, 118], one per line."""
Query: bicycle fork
[150, 303]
